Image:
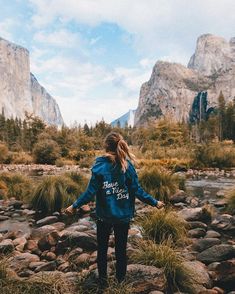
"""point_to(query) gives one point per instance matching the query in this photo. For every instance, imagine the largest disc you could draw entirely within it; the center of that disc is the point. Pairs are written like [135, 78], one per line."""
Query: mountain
[172, 87]
[126, 119]
[20, 91]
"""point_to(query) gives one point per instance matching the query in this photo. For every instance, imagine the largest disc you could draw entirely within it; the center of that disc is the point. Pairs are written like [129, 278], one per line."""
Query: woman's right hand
[70, 210]
[160, 204]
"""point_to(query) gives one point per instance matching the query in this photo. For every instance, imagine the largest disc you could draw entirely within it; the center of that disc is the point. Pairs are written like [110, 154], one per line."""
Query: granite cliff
[172, 87]
[20, 91]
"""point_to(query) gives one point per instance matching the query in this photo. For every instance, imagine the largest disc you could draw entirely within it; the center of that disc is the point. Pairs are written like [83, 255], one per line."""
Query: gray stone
[212, 234]
[146, 278]
[21, 261]
[3, 217]
[49, 266]
[83, 240]
[217, 253]
[203, 244]
[196, 233]
[47, 220]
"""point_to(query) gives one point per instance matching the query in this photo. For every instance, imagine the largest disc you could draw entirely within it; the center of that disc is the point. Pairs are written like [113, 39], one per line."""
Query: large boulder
[194, 214]
[146, 278]
[217, 253]
[201, 278]
[79, 239]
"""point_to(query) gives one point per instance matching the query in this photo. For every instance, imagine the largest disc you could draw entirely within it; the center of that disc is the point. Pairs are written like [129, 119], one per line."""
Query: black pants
[120, 234]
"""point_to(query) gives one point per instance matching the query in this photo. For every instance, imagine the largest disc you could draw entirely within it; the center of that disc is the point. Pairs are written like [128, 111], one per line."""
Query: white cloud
[60, 38]
[153, 23]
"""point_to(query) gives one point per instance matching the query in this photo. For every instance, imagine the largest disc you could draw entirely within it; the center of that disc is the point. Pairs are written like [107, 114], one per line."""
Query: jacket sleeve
[89, 194]
[137, 190]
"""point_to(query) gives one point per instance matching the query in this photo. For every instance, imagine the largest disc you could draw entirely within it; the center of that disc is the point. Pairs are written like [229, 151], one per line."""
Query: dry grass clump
[56, 192]
[161, 225]
[164, 256]
[230, 196]
[159, 182]
[17, 185]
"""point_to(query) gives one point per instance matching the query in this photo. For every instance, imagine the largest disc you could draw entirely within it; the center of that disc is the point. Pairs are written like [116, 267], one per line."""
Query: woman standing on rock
[115, 184]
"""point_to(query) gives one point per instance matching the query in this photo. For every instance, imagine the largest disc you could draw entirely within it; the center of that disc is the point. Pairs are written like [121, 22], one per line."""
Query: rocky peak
[213, 55]
[172, 87]
[20, 92]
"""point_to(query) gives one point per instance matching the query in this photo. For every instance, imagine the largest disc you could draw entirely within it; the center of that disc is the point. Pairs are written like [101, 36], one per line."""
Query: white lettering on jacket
[113, 188]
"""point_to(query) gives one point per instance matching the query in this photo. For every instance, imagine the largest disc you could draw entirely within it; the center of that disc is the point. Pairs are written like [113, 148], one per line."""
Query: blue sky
[94, 55]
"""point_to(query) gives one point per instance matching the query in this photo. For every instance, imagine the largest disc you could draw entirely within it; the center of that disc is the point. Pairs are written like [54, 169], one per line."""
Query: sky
[93, 56]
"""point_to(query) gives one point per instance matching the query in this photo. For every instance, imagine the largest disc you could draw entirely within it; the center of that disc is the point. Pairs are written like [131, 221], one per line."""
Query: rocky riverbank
[56, 245]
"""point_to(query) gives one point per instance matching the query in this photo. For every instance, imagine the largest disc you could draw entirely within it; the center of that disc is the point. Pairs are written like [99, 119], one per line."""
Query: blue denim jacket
[115, 191]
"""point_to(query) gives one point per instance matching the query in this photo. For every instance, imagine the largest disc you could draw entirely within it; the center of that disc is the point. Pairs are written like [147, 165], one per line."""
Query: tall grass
[164, 256]
[159, 182]
[230, 196]
[161, 225]
[56, 192]
[214, 155]
[17, 185]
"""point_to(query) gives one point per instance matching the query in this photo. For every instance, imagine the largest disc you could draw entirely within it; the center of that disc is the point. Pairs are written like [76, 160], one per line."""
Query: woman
[115, 184]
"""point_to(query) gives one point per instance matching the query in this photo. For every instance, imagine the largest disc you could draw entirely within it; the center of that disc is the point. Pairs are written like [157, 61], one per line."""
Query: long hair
[117, 149]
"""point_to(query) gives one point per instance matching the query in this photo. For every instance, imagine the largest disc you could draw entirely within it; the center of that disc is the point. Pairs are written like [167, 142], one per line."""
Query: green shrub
[56, 192]
[46, 151]
[219, 155]
[164, 256]
[18, 185]
[230, 196]
[161, 225]
[159, 182]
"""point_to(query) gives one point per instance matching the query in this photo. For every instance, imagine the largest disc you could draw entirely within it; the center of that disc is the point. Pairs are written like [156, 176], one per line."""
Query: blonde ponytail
[117, 149]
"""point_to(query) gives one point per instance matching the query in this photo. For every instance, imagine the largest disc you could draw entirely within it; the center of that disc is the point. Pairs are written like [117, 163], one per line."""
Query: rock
[225, 272]
[42, 231]
[179, 196]
[6, 246]
[171, 88]
[20, 241]
[21, 92]
[212, 234]
[49, 266]
[74, 253]
[21, 261]
[17, 204]
[25, 273]
[197, 224]
[203, 244]
[33, 265]
[31, 245]
[50, 256]
[224, 222]
[47, 220]
[82, 259]
[196, 233]
[59, 226]
[200, 275]
[83, 240]
[49, 240]
[146, 278]
[64, 267]
[193, 214]
[217, 253]
[3, 217]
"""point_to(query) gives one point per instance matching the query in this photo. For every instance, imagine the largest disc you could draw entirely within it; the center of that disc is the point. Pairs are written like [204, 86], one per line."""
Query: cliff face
[19, 90]
[172, 87]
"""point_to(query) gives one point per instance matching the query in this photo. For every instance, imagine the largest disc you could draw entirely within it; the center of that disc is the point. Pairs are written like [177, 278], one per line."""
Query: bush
[60, 162]
[46, 151]
[230, 196]
[3, 190]
[4, 153]
[21, 158]
[219, 155]
[159, 182]
[161, 225]
[18, 185]
[56, 192]
[164, 256]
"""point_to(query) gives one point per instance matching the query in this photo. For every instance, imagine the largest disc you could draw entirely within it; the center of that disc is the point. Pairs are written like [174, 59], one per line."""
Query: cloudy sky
[93, 55]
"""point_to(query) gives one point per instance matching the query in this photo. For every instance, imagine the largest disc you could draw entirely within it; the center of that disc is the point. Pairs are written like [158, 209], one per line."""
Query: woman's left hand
[70, 210]
[160, 204]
